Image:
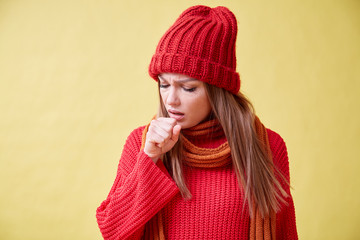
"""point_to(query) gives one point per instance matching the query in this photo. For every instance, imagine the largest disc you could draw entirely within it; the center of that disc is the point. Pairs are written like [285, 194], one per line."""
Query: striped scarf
[260, 228]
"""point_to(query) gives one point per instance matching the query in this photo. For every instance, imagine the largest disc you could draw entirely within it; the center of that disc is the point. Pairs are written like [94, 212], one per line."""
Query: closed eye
[190, 89]
[164, 85]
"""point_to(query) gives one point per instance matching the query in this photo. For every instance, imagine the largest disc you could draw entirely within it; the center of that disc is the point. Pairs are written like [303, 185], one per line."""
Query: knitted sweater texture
[215, 211]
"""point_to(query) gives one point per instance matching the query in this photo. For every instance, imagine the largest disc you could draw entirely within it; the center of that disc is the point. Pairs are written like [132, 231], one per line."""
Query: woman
[205, 167]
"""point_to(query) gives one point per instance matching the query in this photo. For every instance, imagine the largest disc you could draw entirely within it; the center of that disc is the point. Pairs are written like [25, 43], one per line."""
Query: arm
[285, 218]
[141, 189]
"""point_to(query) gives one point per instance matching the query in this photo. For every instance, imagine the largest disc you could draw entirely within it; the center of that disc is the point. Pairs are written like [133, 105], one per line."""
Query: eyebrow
[181, 80]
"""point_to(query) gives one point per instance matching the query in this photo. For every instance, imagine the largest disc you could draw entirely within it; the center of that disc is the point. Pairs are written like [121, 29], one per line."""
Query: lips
[175, 114]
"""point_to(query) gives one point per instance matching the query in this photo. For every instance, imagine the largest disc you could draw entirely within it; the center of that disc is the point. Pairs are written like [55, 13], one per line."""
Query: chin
[183, 125]
[186, 125]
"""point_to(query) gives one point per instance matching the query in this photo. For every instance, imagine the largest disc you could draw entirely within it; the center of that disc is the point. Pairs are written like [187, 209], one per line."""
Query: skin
[187, 103]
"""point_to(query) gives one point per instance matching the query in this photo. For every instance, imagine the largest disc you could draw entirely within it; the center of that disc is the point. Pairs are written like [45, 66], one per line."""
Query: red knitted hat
[200, 44]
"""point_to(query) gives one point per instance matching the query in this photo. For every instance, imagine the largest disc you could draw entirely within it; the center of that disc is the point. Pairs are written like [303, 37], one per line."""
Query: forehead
[175, 77]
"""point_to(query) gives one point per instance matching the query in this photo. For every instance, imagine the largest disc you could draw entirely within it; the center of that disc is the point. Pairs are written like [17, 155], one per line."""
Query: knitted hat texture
[200, 44]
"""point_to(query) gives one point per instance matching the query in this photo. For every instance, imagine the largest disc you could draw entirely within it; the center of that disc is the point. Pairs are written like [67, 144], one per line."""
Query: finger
[157, 133]
[157, 140]
[168, 121]
[160, 131]
[176, 133]
[164, 124]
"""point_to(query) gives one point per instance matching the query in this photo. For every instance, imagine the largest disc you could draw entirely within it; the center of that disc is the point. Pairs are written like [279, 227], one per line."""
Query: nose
[172, 97]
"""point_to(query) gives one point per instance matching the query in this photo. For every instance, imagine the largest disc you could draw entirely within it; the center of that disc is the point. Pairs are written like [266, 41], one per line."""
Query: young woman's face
[184, 98]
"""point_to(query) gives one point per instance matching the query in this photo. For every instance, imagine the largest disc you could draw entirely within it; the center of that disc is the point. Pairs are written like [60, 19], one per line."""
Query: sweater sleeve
[140, 190]
[285, 218]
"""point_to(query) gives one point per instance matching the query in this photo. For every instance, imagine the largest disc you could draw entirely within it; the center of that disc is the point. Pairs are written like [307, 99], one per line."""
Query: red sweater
[215, 211]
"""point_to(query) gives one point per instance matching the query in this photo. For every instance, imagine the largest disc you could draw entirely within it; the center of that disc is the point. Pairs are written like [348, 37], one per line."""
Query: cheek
[201, 107]
[206, 108]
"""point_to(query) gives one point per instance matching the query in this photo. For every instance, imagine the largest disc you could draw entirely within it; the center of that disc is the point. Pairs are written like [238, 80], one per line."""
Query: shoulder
[130, 151]
[279, 152]
[134, 138]
[277, 143]
[136, 133]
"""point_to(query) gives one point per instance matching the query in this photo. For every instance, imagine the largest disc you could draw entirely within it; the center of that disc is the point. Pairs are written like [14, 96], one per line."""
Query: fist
[162, 135]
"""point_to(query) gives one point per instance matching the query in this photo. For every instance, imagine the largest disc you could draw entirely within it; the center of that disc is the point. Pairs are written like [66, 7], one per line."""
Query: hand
[162, 135]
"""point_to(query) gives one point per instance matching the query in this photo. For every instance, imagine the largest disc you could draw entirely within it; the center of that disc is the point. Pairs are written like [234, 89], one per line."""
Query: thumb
[176, 133]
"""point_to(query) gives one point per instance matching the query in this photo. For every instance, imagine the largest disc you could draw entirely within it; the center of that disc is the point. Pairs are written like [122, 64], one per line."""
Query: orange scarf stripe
[205, 157]
[203, 127]
[143, 136]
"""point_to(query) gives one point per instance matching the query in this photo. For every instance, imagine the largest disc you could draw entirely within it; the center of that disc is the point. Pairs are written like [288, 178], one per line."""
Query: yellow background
[74, 83]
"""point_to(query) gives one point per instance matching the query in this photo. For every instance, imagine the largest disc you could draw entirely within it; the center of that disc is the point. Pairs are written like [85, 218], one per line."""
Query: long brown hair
[254, 170]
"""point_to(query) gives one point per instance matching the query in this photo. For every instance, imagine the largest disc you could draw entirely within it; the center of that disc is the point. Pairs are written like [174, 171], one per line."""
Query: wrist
[154, 158]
